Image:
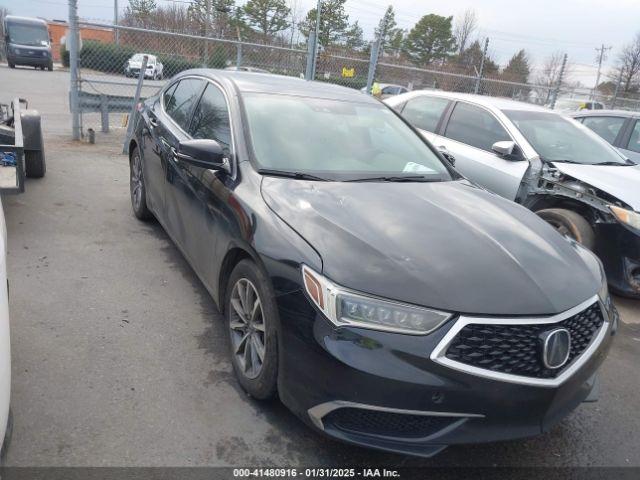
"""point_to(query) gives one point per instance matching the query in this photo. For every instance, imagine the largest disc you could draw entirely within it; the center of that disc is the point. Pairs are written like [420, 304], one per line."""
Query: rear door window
[182, 101]
[475, 126]
[425, 112]
[634, 141]
[607, 127]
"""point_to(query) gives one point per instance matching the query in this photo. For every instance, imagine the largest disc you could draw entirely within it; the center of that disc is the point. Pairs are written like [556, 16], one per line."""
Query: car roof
[25, 20]
[498, 103]
[256, 82]
[606, 113]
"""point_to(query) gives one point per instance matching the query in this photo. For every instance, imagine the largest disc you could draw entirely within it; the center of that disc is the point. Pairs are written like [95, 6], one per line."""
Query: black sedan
[385, 299]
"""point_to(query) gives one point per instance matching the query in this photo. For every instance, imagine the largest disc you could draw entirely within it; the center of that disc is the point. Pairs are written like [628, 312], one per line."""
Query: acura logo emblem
[556, 347]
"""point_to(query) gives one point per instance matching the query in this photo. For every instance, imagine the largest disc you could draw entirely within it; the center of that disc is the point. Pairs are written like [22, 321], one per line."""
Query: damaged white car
[551, 164]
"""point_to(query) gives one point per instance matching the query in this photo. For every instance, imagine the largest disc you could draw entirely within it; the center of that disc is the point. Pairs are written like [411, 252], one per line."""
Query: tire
[12, 65]
[257, 378]
[137, 187]
[34, 163]
[50, 67]
[571, 224]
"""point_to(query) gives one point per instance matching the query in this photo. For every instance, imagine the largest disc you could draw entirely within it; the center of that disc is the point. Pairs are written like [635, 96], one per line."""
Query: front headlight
[628, 217]
[345, 307]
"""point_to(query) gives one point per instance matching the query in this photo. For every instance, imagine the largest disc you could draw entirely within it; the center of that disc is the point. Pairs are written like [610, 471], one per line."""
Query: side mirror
[203, 154]
[505, 148]
[447, 155]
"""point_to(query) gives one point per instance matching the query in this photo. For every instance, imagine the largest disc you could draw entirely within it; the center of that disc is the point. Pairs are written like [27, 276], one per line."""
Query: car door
[206, 196]
[609, 127]
[155, 161]
[174, 126]
[425, 113]
[469, 133]
[630, 142]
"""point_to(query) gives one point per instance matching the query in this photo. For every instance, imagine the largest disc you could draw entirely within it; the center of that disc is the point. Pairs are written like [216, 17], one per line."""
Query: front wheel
[570, 224]
[137, 187]
[251, 318]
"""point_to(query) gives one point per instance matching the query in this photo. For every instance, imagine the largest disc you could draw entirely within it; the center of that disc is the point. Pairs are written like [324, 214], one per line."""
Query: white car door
[469, 134]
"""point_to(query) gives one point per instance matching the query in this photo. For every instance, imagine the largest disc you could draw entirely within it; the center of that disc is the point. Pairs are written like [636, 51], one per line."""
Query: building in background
[58, 30]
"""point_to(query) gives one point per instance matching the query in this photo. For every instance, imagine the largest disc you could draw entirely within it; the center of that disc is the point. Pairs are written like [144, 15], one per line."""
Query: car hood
[622, 182]
[447, 245]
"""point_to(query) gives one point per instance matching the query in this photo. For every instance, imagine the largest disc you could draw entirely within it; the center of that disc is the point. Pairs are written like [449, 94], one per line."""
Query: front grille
[515, 349]
[386, 424]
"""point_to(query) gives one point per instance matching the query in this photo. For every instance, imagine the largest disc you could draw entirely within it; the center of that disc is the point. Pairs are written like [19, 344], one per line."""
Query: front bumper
[382, 390]
[31, 61]
[619, 250]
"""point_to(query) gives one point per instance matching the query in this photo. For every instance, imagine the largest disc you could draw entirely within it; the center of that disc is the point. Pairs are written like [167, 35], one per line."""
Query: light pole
[115, 21]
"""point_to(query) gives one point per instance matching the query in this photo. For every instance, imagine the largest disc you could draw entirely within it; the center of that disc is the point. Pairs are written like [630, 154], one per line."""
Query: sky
[541, 27]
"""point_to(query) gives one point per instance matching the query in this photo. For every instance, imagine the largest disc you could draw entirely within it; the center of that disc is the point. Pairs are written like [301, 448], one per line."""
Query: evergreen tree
[387, 29]
[267, 16]
[334, 22]
[430, 39]
[518, 69]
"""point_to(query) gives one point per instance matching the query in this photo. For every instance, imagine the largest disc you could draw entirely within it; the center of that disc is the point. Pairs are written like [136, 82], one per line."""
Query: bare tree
[549, 75]
[628, 68]
[464, 28]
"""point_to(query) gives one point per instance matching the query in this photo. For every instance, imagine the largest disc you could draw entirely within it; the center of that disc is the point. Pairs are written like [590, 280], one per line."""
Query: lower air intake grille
[387, 424]
[515, 349]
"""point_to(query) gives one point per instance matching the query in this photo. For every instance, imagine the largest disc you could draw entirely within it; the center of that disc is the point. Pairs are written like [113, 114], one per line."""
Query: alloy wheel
[247, 327]
[136, 181]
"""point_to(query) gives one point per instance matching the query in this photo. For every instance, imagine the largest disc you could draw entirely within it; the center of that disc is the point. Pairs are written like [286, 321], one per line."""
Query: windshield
[28, 34]
[558, 139]
[336, 140]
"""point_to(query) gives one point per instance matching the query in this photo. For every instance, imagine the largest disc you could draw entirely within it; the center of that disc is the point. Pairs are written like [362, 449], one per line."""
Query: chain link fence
[109, 68]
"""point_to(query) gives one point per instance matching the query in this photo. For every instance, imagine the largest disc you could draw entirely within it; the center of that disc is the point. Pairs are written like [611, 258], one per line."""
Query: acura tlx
[385, 299]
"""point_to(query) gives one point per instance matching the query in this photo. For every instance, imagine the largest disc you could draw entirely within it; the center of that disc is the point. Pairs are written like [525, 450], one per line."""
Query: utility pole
[601, 58]
[72, 45]
[206, 32]
[556, 91]
[617, 91]
[316, 46]
[484, 55]
[115, 21]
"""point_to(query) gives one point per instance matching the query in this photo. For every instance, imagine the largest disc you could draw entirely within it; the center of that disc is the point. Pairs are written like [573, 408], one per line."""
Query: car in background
[385, 299]
[620, 128]
[545, 161]
[154, 70]
[389, 90]
[576, 105]
[246, 68]
[27, 42]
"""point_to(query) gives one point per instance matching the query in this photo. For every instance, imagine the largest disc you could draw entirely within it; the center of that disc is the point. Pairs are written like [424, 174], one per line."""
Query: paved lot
[119, 356]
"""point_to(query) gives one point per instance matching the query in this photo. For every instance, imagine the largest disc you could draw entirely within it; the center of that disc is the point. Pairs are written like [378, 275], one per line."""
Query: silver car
[620, 128]
[549, 163]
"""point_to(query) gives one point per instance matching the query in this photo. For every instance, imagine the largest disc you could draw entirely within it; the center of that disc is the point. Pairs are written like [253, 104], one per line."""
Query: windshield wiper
[627, 163]
[566, 161]
[288, 174]
[406, 178]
